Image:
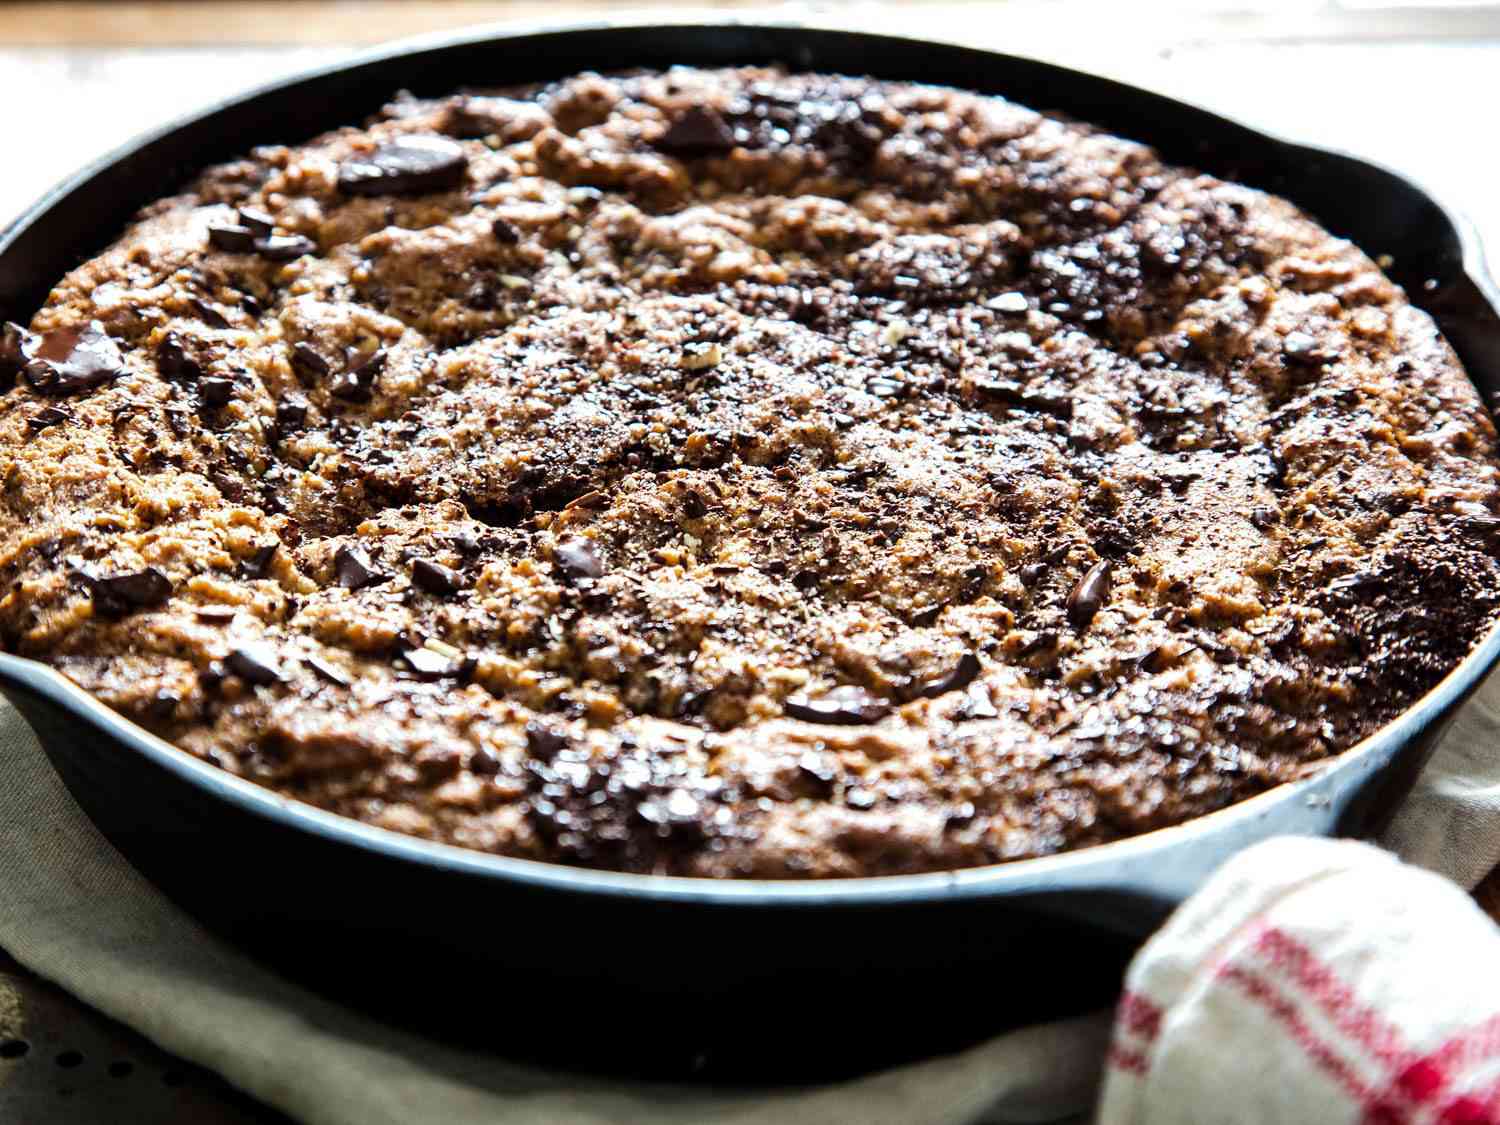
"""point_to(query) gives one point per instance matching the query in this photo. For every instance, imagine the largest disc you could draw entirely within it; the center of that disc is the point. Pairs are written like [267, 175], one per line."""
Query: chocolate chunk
[698, 132]
[216, 392]
[69, 361]
[255, 664]
[406, 166]
[1013, 394]
[326, 670]
[284, 248]
[1301, 349]
[355, 571]
[1263, 518]
[1031, 574]
[208, 313]
[309, 363]
[1089, 596]
[484, 762]
[291, 415]
[430, 665]
[843, 706]
[358, 383]
[693, 506]
[577, 558]
[434, 578]
[505, 232]
[961, 676]
[235, 239]
[116, 595]
[860, 798]
[543, 742]
[216, 614]
[259, 563]
[257, 222]
[47, 416]
[173, 361]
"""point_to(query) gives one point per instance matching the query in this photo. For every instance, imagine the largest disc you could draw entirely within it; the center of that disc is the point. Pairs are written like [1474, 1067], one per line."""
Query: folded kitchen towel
[1310, 981]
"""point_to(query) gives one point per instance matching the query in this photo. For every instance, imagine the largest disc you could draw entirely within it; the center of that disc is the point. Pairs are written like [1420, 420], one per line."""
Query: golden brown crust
[740, 474]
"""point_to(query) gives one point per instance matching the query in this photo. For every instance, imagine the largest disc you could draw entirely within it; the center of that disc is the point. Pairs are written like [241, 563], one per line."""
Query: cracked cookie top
[739, 473]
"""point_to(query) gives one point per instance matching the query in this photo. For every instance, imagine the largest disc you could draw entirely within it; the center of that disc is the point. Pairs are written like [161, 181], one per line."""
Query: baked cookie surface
[742, 474]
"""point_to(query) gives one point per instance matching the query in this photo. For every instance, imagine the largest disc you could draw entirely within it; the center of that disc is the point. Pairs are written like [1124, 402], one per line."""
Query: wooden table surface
[1405, 83]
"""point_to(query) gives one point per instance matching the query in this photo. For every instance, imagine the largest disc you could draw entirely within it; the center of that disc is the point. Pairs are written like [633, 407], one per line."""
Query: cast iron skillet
[750, 980]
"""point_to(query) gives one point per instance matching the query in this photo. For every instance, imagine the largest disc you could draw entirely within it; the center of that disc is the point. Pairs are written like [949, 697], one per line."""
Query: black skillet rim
[1090, 868]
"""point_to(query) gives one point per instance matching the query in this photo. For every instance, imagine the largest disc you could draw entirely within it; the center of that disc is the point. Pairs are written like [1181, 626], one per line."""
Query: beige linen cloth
[1192, 1042]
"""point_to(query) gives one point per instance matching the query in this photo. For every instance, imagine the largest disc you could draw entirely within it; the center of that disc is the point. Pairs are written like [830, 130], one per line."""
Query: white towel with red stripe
[1312, 981]
[1327, 981]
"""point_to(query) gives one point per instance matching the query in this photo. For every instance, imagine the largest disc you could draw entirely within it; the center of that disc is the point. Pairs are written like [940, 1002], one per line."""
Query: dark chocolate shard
[284, 248]
[410, 165]
[698, 132]
[355, 571]
[358, 383]
[961, 676]
[577, 558]
[1013, 394]
[435, 578]
[258, 222]
[309, 363]
[1089, 596]
[326, 670]
[291, 416]
[69, 361]
[258, 565]
[843, 706]
[174, 362]
[216, 391]
[234, 238]
[426, 664]
[543, 742]
[115, 595]
[208, 312]
[255, 664]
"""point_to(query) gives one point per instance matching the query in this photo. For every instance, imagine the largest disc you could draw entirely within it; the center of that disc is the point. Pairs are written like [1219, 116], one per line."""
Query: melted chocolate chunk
[255, 664]
[408, 166]
[698, 132]
[1089, 596]
[843, 706]
[435, 578]
[355, 571]
[208, 313]
[961, 676]
[505, 232]
[70, 361]
[577, 558]
[48, 416]
[358, 383]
